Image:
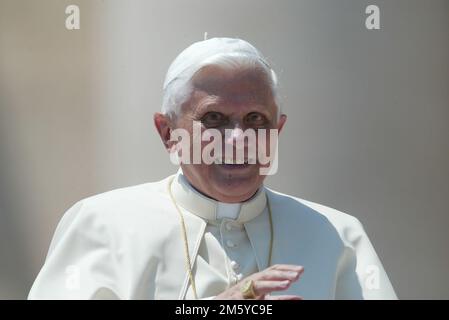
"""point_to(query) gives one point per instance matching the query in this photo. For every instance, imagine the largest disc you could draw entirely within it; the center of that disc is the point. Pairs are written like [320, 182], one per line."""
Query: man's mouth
[232, 164]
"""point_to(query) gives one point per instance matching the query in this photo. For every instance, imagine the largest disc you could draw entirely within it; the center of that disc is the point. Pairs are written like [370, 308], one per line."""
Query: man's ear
[163, 126]
[281, 122]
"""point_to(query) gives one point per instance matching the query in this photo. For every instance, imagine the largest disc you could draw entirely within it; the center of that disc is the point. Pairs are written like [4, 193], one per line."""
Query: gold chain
[271, 232]
[186, 243]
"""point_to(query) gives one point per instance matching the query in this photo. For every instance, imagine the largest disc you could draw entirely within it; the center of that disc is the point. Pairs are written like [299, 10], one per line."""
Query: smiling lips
[234, 162]
[231, 164]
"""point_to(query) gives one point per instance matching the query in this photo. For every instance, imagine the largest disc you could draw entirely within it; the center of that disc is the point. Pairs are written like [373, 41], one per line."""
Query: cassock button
[230, 244]
[234, 265]
[239, 277]
[228, 226]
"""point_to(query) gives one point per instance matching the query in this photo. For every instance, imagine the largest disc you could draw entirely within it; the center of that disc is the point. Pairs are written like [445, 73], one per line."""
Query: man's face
[230, 101]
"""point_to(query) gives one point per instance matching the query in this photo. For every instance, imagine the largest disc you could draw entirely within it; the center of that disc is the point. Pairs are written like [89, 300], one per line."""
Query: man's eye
[213, 119]
[255, 119]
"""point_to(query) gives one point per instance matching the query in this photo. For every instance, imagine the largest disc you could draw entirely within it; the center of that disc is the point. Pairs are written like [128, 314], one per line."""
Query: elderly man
[212, 230]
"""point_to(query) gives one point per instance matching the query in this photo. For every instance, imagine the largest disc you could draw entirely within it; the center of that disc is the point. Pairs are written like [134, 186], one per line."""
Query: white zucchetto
[196, 55]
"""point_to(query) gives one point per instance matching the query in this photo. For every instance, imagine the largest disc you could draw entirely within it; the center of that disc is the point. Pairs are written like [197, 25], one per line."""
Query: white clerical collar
[209, 209]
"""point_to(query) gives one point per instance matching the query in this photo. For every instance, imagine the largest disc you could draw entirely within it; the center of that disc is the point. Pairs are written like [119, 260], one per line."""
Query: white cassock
[128, 244]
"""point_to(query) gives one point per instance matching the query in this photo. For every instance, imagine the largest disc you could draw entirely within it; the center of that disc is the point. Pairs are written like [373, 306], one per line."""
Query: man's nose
[234, 134]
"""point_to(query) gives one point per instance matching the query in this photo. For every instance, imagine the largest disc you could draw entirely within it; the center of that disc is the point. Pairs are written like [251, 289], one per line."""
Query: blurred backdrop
[367, 130]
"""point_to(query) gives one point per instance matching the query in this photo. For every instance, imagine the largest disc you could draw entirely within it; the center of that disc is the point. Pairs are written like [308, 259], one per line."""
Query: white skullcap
[196, 55]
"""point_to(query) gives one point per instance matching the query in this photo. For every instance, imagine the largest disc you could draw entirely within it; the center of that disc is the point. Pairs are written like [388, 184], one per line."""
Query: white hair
[178, 91]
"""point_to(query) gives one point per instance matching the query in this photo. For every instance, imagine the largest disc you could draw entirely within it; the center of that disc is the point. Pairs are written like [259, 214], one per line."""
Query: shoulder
[318, 217]
[144, 193]
[130, 209]
[129, 201]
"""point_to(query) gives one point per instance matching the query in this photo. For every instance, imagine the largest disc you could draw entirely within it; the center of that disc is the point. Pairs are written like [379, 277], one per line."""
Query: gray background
[367, 130]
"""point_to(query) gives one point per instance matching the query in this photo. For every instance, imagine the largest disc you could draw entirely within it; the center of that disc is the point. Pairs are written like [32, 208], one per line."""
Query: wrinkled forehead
[234, 85]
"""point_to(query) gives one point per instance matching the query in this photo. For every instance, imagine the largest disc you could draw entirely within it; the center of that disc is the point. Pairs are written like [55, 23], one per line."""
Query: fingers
[287, 267]
[282, 272]
[264, 287]
[283, 297]
[280, 275]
